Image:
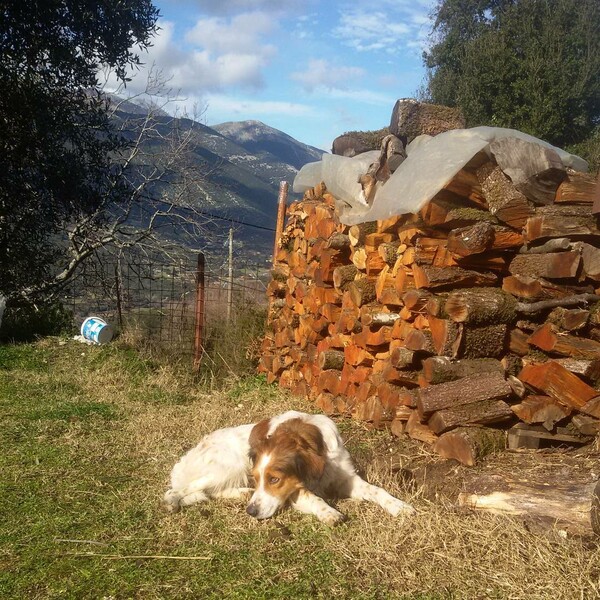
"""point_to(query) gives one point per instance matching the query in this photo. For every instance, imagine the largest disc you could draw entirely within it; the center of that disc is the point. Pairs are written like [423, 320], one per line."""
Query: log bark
[561, 221]
[546, 338]
[438, 278]
[488, 341]
[439, 369]
[362, 291]
[467, 390]
[331, 359]
[481, 413]
[505, 202]
[554, 265]
[481, 306]
[568, 505]
[468, 445]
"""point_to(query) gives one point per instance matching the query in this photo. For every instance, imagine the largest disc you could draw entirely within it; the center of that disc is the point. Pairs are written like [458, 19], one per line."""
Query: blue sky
[312, 68]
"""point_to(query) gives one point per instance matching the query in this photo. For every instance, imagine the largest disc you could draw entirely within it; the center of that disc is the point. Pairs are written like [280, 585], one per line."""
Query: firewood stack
[475, 316]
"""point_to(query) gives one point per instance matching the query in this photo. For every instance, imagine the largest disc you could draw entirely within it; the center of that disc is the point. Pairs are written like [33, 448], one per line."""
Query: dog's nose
[252, 510]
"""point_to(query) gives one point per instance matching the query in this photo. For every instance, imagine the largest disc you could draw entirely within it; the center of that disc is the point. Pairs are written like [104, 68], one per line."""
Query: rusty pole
[199, 316]
[281, 206]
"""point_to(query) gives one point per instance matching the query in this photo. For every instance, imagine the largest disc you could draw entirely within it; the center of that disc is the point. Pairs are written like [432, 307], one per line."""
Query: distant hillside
[244, 163]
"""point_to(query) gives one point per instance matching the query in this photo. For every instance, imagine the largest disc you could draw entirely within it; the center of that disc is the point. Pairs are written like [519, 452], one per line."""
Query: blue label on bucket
[92, 328]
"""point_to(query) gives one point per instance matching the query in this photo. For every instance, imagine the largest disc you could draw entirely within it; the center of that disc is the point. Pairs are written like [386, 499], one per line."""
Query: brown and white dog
[295, 459]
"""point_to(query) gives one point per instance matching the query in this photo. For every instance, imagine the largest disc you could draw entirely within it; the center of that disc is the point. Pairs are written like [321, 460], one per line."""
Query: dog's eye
[273, 480]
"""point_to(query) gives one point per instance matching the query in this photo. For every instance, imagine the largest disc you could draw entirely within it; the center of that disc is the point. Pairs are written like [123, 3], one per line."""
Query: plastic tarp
[431, 163]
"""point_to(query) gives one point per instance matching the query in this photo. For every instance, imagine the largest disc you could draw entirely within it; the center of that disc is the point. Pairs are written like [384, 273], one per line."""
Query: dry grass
[92, 434]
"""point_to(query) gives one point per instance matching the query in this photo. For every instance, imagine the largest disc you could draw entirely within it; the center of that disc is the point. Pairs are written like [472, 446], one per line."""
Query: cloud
[229, 7]
[396, 25]
[214, 54]
[320, 73]
[218, 104]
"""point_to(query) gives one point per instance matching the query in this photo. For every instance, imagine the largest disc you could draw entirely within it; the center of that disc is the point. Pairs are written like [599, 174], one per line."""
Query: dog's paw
[331, 517]
[396, 507]
[171, 501]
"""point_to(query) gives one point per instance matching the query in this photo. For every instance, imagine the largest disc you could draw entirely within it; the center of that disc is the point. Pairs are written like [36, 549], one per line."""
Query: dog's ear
[258, 436]
[310, 457]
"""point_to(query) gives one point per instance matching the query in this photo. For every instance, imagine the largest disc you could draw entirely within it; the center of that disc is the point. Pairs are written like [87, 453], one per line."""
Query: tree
[61, 157]
[532, 65]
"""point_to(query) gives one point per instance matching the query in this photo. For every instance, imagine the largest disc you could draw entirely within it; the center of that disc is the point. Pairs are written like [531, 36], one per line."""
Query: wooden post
[118, 292]
[596, 206]
[199, 316]
[230, 276]
[281, 206]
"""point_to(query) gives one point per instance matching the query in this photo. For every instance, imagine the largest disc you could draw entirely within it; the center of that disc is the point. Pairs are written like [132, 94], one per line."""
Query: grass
[89, 435]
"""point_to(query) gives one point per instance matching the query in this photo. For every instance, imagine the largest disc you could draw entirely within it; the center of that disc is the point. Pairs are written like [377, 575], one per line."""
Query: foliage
[56, 138]
[230, 347]
[24, 321]
[532, 65]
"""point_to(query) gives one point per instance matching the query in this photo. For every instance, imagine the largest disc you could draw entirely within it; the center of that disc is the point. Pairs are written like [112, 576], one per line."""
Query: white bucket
[96, 330]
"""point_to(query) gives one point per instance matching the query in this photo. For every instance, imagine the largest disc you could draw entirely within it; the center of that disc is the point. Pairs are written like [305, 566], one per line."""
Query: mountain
[244, 163]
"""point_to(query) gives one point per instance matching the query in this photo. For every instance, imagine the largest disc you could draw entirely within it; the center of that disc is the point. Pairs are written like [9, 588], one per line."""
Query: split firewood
[485, 412]
[467, 390]
[577, 188]
[331, 359]
[411, 118]
[361, 291]
[471, 240]
[561, 221]
[343, 276]
[505, 202]
[541, 409]
[439, 369]
[339, 241]
[566, 319]
[554, 265]
[586, 368]
[402, 358]
[487, 341]
[481, 306]
[436, 277]
[468, 445]
[419, 431]
[562, 385]
[357, 233]
[546, 338]
[572, 505]
[534, 170]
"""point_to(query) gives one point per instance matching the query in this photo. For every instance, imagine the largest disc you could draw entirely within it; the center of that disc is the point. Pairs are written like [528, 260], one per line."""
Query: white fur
[219, 467]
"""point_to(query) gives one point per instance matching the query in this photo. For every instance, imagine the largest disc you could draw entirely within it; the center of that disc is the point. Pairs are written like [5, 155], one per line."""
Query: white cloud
[240, 35]
[320, 73]
[215, 54]
[396, 25]
[228, 7]
[218, 104]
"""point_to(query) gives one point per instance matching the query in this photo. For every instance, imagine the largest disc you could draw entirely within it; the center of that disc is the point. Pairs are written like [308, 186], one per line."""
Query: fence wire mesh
[154, 302]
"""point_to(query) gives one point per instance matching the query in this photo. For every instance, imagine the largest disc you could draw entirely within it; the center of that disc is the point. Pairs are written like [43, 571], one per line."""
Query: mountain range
[243, 163]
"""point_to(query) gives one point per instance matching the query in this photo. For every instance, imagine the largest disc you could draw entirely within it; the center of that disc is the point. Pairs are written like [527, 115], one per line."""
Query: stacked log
[451, 325]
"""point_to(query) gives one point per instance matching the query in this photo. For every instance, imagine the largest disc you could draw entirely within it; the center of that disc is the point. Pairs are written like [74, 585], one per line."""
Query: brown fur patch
[297, 449]
[258, 436]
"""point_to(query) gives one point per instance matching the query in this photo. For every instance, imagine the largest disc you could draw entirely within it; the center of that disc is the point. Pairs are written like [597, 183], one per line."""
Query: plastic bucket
[96, 330]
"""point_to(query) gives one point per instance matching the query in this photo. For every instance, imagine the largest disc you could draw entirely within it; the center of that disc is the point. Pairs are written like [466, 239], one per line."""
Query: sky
[311, 68]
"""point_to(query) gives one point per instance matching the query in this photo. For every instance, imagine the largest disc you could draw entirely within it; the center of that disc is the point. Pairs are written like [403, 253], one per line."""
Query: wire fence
[156, 303]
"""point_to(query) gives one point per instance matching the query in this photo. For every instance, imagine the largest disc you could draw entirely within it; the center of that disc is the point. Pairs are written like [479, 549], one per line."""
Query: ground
[89, 434]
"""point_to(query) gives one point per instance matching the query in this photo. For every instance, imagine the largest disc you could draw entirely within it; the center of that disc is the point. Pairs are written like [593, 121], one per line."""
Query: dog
[294, 459]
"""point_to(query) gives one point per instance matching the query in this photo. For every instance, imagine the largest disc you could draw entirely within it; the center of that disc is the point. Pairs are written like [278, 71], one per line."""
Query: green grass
[88, 437]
